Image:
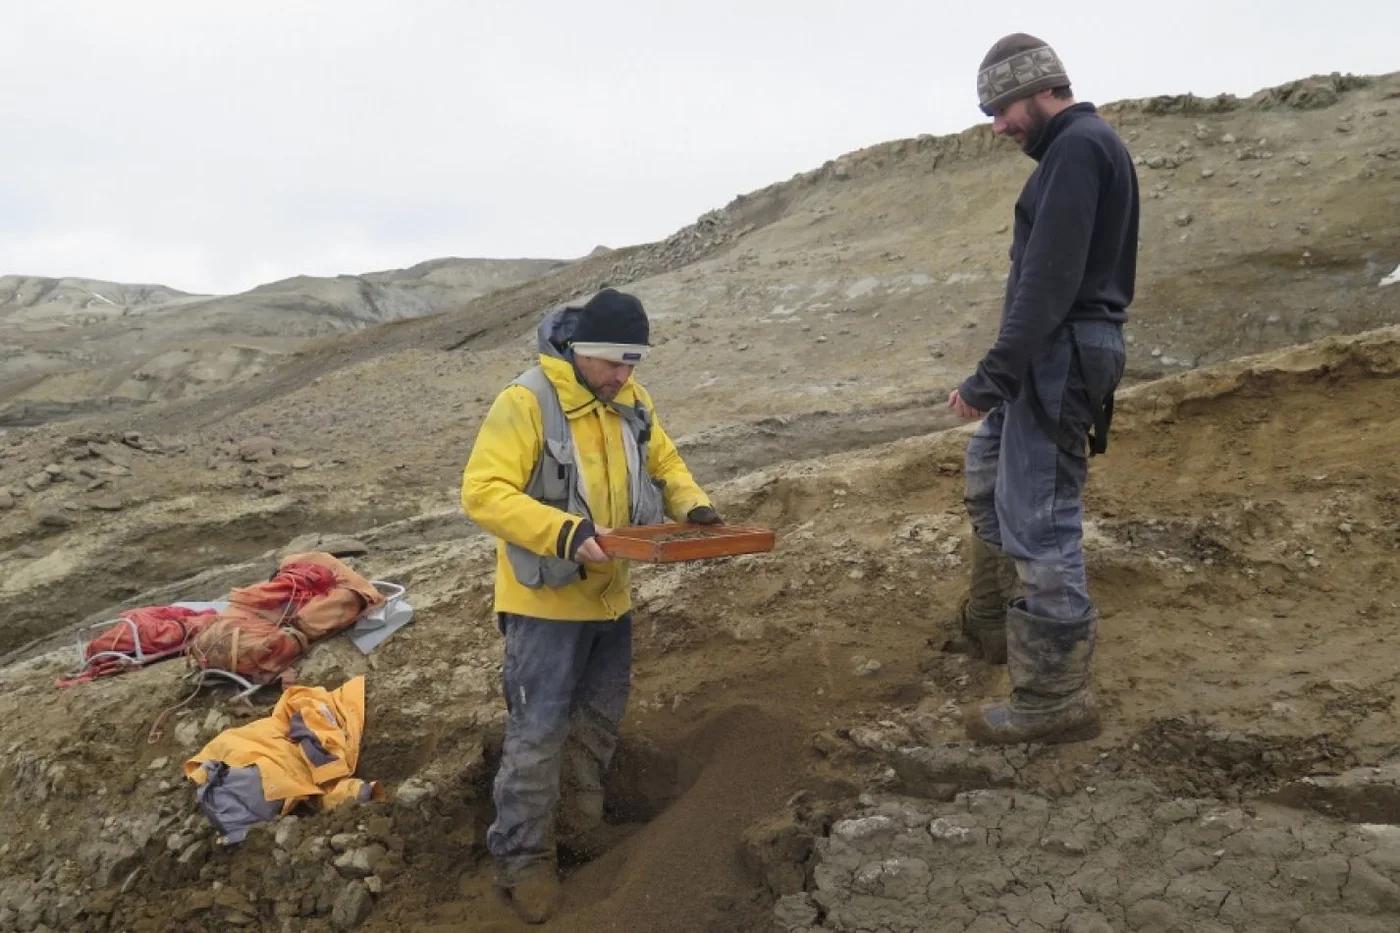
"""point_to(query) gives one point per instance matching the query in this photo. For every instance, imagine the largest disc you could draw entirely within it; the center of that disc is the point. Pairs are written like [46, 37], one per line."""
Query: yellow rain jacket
[493, 483]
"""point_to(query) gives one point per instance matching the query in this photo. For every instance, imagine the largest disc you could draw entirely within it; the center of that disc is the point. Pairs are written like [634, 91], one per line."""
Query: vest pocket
[557, 473]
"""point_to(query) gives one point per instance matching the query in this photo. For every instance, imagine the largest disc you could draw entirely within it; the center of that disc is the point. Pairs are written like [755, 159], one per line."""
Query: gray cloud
[214, 149]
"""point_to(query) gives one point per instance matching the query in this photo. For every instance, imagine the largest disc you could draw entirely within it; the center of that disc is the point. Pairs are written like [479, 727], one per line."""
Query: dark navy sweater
[1074, 250]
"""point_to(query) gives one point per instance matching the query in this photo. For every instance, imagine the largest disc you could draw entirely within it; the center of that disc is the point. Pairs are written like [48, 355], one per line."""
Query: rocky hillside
[73, 345]
[792, 762]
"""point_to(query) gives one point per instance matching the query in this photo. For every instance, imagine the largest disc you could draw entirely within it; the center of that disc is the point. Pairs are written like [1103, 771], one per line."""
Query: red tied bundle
[157, 631]
[291, 587]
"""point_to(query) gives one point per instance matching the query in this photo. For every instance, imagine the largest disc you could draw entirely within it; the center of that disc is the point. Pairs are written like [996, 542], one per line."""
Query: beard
[1036, 121]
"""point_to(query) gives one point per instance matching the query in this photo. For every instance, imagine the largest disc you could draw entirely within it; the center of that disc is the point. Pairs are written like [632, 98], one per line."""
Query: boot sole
[1082, 733]
[979, 730]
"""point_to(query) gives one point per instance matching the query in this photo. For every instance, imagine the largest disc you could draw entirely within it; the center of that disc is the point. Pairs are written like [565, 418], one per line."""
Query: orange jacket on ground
[305, 751]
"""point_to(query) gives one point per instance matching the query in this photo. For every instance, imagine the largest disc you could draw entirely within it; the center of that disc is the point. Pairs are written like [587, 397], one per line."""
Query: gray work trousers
[1025, 494]
[563, 681]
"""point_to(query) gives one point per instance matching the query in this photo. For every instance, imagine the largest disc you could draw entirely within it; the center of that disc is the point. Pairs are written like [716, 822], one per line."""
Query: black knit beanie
[1018, 66]
[612, 317]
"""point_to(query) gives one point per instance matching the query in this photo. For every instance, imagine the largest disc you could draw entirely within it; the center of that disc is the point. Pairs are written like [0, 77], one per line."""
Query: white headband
[631, 353]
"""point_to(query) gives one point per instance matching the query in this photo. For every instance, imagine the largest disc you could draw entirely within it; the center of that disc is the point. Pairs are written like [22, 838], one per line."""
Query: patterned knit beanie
[1017, 66]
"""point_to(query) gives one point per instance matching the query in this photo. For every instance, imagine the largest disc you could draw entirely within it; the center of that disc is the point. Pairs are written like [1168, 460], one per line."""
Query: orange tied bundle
[268, 626]
[245, 644]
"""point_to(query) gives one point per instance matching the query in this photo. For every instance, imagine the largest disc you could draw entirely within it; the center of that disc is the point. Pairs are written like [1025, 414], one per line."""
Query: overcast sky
[214, 147]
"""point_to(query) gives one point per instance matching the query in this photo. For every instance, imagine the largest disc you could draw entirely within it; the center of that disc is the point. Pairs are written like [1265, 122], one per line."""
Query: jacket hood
[551, 337]
[555, 329]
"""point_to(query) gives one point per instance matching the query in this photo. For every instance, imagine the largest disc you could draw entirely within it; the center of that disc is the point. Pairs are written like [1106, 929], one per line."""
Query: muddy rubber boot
[534, 892]
[1049, 661]
[581, 791]
[982, 616]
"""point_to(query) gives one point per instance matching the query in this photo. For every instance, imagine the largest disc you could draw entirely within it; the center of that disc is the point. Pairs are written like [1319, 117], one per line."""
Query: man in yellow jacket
[570, 450]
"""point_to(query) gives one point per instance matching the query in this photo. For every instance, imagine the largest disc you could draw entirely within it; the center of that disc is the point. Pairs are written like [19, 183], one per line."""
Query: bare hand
[590, 551]
[961, 408]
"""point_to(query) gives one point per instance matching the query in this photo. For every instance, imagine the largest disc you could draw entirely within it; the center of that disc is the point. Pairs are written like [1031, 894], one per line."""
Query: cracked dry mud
[1125, 857]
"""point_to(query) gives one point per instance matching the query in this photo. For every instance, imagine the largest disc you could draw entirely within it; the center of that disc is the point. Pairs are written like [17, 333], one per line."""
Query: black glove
[704, 515]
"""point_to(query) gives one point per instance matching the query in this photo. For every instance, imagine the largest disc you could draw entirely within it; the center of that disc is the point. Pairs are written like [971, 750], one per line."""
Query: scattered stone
[856, 832]
[957, 831]
[884, 739]
[344, 842]
[254, 449]
[288, 832]
[7, 501]
[157, 764]
[195, 853]
[1207, 173]
[50, 516]
[274, 470]
[130, 882]
[869, 668]
[109, 503]
[301, 463]
[187, 733]
[114, 454]
[413, 792]
[361, 862]
[38, 481]
[374, 884]
[1303, 158]
[796, 911]
[215, 722]
[1184, 219]
[352, 906]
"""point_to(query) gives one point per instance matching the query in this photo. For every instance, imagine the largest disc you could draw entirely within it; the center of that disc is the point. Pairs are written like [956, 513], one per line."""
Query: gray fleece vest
[556, 480]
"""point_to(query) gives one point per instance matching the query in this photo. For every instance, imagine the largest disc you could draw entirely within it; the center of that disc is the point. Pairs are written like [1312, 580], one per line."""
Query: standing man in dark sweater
[1046, 382]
